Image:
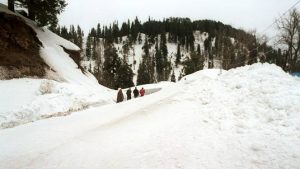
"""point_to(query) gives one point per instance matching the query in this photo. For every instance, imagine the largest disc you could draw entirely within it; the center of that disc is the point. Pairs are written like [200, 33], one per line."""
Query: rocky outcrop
[19, 49]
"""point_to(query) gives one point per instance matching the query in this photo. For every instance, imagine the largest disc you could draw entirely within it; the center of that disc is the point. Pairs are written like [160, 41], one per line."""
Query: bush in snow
[46, 87]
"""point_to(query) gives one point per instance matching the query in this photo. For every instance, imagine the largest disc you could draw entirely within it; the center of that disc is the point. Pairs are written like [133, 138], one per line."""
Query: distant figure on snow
[136, 93]
[120, 96]
[142, 92]
[128, 93]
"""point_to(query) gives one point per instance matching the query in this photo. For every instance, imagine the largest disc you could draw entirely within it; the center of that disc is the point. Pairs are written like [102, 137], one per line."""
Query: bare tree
[289, 28]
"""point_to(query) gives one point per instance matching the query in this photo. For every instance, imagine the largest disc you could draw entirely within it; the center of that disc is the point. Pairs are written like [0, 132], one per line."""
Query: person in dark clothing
[135, 92]
[128, 93]
[120, 96]
[142, 92]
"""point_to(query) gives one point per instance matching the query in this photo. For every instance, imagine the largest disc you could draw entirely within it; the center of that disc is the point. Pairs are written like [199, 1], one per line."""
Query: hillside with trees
[132, 52]
[136, 53]
[156, 51]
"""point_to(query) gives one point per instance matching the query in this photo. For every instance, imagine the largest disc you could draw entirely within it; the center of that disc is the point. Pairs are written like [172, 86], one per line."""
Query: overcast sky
[246, 14]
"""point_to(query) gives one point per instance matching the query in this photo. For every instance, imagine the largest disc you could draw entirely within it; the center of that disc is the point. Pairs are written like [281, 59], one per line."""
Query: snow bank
[27, 100]
[261, 92]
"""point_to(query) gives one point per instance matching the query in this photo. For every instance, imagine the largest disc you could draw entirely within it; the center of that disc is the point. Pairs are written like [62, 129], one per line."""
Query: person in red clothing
[142, 92]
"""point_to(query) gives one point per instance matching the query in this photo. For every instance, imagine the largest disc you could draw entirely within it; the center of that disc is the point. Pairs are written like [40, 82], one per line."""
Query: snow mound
[35, 99]
[255, 94]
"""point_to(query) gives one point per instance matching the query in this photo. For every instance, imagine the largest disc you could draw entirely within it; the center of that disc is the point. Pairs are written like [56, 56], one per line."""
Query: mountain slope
[135, 52]
[177, 47]
[244, 118]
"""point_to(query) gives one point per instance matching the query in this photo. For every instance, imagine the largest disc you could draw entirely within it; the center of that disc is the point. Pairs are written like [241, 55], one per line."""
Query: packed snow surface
[246, 118]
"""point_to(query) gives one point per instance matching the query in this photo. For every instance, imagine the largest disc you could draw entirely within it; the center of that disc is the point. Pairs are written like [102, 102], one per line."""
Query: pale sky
[246, 14]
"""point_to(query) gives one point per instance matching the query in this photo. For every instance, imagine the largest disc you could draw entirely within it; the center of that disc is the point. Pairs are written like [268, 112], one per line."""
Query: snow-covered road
[44, 137]
[245, 118]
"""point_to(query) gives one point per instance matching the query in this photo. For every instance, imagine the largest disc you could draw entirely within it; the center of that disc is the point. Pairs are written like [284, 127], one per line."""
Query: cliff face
[19, 49]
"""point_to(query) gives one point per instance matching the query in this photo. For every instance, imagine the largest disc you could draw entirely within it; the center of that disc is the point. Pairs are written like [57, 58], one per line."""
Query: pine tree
[158, 61]
[124, 76]
[173, 78]
[135, 29]
[93, 32]
[163, 45]
[178, 54]
[115, 32]
[228, 54]
[166, 69]
[109, 35]
[146, 47]
[125, 29]
[126, 48]
[72, 35]
[80, 37]
[143, 76]
[64, 32]
[111, 64]
[43, 12]
[195, 63]
[146, 69]
[208, 51]
[94, 53]
[98, 31]
[253, 54]
[191, 42]
[88, 48]
[56, 30]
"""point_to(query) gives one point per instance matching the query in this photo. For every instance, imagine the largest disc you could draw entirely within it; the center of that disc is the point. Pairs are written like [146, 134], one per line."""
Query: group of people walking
[136, 93]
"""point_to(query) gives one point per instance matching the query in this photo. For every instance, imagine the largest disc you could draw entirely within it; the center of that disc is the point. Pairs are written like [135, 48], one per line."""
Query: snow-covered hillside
[24, 100]
[247, 118]
[134, 57]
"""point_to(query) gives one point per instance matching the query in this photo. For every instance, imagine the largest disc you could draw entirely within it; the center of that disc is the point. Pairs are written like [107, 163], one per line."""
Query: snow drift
[26, 100]
[247, 117]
